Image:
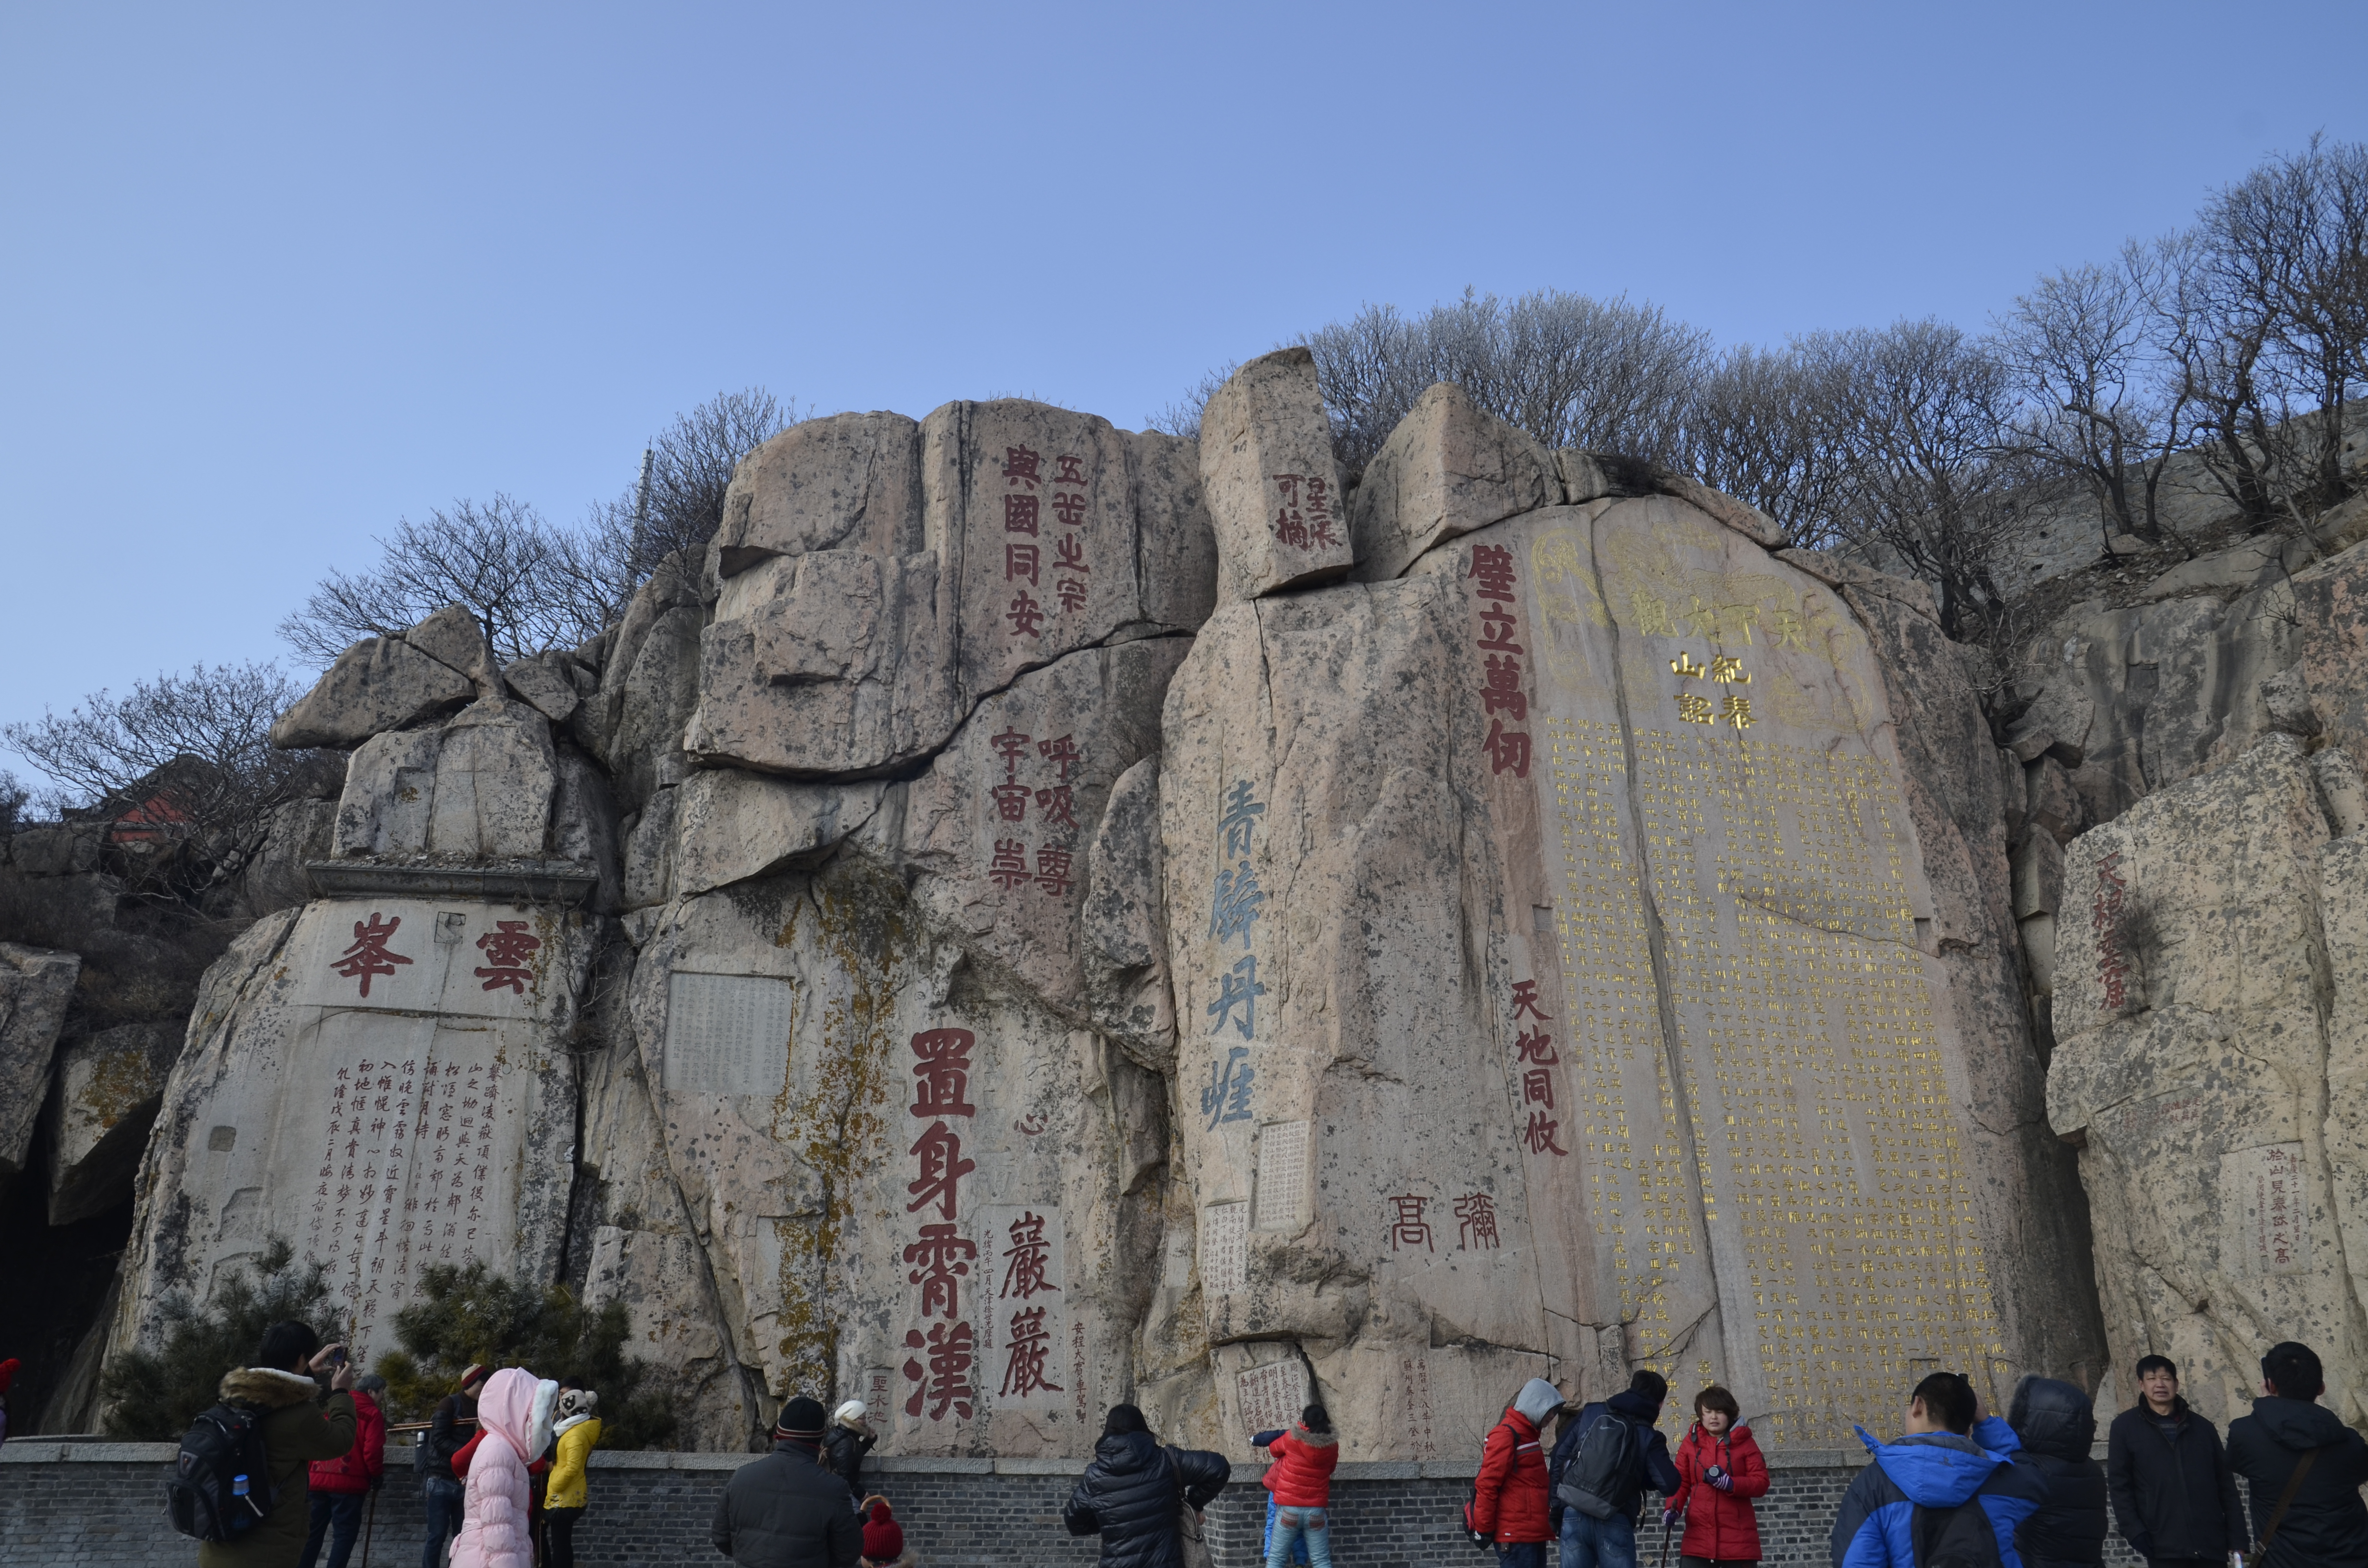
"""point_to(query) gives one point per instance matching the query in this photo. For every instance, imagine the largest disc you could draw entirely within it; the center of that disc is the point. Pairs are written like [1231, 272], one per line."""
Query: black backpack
[1600, 1481]
[221, 1486]
[1962, 1537]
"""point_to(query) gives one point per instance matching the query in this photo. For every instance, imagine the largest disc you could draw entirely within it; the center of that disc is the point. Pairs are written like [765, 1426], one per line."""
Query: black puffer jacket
[2173, 1496]
[1129, 1495]
[786, 1511]
[843, 1448]
[2327, 1527]
[2057, 1425]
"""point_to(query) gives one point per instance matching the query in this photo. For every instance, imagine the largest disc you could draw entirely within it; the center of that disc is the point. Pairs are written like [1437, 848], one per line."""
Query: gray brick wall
[101, 1504]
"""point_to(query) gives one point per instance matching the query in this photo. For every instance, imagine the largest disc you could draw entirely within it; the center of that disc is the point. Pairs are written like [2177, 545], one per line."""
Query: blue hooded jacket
[1936, 1469]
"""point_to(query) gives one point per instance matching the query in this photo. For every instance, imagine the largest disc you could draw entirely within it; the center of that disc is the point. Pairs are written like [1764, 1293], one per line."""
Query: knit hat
[7, 1373]
[853, 1411]
[473, 1372]
[801, 1422]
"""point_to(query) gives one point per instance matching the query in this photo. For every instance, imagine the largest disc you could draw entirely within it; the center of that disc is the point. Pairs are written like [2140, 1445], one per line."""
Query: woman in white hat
[849, 1438]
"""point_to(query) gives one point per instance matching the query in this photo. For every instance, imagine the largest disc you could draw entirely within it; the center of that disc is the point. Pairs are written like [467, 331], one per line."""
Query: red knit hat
[883, 1538]
[7, 1373]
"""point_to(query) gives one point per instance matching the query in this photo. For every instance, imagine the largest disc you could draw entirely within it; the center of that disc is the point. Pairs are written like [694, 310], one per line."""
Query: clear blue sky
[274, 277]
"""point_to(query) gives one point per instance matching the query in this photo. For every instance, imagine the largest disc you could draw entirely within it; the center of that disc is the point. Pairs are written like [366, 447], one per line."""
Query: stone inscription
[1282, 1174]
[1224, 1248]
[1027, 1330]
[727, 1034]
[2267, 1210]
[415, 1168]
[1271, 1396]
[1798, 1129]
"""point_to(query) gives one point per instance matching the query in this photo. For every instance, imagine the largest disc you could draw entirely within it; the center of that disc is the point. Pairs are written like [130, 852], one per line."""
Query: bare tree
[1772, 428]
[2279, 275]
[677, 502]
[1571, 371]
[180, 769]
[1932, 487]
[2098, 403]
[530, 587]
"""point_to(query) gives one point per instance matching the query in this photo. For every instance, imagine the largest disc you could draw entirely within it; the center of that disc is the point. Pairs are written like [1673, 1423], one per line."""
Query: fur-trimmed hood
[267, 1387]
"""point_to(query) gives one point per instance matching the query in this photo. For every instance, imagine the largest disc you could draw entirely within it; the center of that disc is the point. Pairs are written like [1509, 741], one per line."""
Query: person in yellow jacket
[563, 1499]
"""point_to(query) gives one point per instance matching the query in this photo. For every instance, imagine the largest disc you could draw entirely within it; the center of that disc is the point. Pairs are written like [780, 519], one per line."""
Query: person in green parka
[302, 1422]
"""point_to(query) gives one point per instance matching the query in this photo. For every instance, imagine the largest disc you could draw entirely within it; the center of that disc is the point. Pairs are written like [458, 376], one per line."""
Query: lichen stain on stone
[118, 1086]
[836, 1127]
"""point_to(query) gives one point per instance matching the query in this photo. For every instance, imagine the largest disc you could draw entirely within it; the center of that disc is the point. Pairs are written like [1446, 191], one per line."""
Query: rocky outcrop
[1042, 914]
[35, 986]
[2199, 1003]
[107, 1089]
[384, 683]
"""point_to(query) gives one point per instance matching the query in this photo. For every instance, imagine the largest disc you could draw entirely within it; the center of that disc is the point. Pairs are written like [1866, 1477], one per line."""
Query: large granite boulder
[1273, 489]
[386, 683]
[386, 1082]
[859, 617]
[1584, 857]
[109, 1085]
[35, 986]
[2198, 997]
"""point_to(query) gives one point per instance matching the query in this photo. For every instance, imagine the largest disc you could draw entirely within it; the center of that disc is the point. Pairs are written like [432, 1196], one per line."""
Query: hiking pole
[1665, 1544]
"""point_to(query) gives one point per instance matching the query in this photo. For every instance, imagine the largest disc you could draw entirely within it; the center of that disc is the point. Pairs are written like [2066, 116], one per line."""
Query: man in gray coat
[785, 1510]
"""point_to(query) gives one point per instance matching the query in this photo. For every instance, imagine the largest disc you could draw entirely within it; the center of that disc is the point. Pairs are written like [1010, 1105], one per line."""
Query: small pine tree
[154, 1396]
[466, 1312]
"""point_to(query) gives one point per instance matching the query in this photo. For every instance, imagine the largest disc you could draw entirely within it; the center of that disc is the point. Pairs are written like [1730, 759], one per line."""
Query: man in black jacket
[1585, 1537]
[2057, 1424]
[1129, 1495]
[2174, 1496]
[785, 1510]
[2326, 1525]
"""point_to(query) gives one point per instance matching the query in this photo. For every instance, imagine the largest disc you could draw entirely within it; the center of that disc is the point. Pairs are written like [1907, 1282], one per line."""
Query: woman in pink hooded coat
[514, 1413]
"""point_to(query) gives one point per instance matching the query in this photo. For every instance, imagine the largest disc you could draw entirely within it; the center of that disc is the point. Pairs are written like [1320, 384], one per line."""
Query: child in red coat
[1301, 1480]
[1720, 1470]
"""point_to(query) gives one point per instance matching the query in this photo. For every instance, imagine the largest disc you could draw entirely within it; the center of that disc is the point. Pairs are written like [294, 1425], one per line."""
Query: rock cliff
[1042, 914]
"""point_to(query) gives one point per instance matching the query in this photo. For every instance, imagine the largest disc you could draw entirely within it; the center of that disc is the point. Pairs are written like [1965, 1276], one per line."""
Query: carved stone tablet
[727, 1034]
[1225, 1247]
[1282, 1174]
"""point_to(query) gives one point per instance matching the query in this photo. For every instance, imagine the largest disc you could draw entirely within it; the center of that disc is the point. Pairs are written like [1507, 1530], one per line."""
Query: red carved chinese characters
[1503, 696]
[1534, 1056]
[1069, 502]
[942, 1257]
[506, 948]
[2104, 918]
[1303, 517]
[369, 954]
[1053, 870]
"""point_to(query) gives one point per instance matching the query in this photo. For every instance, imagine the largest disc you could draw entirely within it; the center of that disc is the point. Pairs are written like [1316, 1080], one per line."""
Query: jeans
[339, 1515]
[443, 1495]
[1310, 1525]
[1523, 1554]
[1590, 1542]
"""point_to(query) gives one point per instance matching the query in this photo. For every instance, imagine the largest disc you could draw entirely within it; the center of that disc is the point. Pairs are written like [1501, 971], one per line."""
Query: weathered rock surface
[1507, 856]
[1446, 469]
[1272, 487]
[108, 1088]
[386, 1082]
[2195, 1013]
[1588, 940]
[386, 683]
[1038, 532]
[35, 986]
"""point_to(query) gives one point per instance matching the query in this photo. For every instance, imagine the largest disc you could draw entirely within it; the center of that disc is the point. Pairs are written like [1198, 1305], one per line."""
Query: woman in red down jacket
[1720, 1470]
[1301, 1480]
[339, 1486]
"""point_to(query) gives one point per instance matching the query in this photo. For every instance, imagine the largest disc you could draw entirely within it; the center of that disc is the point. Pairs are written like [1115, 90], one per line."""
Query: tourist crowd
[1960, 1488]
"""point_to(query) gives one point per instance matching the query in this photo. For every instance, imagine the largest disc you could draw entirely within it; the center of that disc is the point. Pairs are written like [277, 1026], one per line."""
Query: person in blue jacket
[1948, 1491]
